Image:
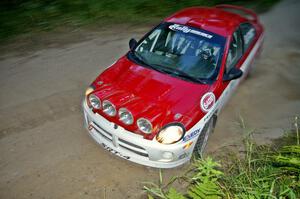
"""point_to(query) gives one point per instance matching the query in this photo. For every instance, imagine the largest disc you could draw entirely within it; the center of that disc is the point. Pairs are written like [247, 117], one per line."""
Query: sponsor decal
[191, 135]
[188, 145]
[185, 29]
[115, 152]
[207, 101]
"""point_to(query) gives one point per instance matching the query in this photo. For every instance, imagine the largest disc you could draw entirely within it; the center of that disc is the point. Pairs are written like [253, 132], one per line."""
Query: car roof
[212, 19]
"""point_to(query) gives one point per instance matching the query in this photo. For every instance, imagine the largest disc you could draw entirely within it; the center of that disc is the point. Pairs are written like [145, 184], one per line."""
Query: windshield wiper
[141, 59]
[187, 76]
[179, 73]
[168, 70]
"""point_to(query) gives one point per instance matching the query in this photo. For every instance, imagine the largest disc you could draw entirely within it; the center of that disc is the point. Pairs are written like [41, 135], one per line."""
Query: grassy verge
[268, 171]
[27, 16]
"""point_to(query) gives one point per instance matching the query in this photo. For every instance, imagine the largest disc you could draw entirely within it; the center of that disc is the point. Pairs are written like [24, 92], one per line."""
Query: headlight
[95, 101]
[144, 125]
[170, 134]
[109, 108]
[89, 90]
[125, 116]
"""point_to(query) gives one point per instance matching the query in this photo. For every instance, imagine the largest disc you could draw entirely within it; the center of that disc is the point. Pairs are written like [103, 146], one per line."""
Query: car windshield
[182, 51]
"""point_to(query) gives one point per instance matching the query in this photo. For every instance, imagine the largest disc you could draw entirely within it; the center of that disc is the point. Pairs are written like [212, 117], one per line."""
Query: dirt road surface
[46, 153]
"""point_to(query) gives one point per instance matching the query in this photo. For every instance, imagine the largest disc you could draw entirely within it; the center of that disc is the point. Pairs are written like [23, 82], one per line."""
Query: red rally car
[158, 104]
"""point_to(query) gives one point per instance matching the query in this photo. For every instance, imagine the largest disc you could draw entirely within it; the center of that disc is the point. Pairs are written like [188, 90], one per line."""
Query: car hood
[150, 94]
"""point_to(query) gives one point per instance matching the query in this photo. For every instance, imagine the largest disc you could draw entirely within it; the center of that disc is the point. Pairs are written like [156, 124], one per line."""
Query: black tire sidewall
[207, 130]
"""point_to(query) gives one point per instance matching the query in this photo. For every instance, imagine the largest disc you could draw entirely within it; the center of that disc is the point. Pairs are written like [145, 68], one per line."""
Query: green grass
[27, 16]
[262, 171]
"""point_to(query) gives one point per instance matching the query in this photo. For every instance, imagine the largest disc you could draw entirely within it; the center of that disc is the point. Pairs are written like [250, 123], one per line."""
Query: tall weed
[262, 171]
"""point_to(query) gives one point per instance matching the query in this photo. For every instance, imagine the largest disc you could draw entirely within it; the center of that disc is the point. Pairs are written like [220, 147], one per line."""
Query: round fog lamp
[125, 116]
[94, 101]
[167, 155]
[144, 125]
[109, 108]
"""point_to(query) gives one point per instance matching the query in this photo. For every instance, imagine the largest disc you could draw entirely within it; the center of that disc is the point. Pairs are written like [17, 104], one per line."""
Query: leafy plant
[259, 172]
[173, 194]
[205, 180]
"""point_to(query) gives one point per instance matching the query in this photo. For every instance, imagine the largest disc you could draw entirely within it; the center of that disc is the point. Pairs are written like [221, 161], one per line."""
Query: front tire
[203, 137]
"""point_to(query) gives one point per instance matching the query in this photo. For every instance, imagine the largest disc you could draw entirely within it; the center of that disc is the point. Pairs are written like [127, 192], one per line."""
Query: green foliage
[264, 172]
[203, 183]
[155, 190]
[261, 172]
[208, 189]
[173, 194]
[25, 16]
[206, 170]
[205, 180]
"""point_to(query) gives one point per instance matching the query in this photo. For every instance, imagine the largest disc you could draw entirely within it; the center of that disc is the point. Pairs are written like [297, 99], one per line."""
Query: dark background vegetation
[27, 16]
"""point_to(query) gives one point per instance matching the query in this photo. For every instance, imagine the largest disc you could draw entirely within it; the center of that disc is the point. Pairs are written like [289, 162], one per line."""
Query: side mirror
[132, 43]
[234, 73]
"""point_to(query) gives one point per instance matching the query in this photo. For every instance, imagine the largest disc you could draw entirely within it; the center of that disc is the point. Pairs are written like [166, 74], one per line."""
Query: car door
[234, 57]
[239, 56]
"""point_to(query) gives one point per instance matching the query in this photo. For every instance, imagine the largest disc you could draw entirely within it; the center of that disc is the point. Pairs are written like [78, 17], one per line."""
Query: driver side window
[235, 51]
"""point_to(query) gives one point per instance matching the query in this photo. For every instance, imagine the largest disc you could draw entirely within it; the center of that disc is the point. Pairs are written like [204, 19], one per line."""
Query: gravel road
[46, 152]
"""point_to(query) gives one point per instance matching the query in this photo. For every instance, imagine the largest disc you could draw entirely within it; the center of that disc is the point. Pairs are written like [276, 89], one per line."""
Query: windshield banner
[185, 29]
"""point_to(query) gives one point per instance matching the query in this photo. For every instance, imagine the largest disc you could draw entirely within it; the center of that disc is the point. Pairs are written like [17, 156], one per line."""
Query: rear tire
[203, 137]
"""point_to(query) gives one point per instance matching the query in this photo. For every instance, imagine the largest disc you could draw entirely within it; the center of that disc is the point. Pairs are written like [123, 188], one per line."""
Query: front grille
[126, 142]
[137, 152]
[101, 133]
[133, 148]
[104, 132]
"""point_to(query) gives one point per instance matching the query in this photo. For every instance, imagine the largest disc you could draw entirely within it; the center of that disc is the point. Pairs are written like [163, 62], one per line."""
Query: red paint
[158, 97]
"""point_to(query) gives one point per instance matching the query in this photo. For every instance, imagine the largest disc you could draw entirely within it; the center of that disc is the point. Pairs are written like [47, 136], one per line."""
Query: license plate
[115, 152]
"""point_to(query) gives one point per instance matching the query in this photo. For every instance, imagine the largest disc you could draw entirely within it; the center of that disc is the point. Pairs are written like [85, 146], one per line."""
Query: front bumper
[134, 147]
